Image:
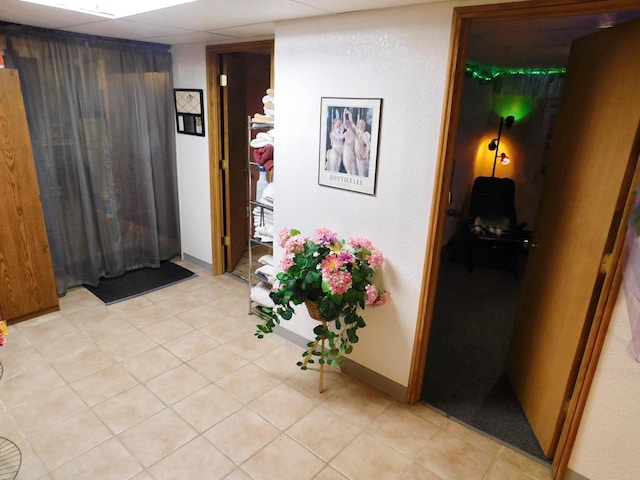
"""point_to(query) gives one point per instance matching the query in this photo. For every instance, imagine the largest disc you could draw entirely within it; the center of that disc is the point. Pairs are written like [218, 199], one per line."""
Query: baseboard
[571, 475]
[379, 382]
[197, 262]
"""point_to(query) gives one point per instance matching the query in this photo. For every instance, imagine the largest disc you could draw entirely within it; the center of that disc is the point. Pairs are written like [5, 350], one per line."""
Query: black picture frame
[189, 111]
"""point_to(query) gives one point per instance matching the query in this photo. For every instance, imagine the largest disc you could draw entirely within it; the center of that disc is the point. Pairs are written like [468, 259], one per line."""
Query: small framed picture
[189, 111]
[349, 133]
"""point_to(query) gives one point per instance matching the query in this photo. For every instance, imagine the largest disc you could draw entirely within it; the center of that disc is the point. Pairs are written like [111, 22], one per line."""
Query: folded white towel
[260, 294]
[266, 260]
[268, 193]
[268, 272]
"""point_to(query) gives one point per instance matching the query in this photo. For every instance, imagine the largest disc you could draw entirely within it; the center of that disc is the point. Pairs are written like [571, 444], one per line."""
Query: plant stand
[316, 315]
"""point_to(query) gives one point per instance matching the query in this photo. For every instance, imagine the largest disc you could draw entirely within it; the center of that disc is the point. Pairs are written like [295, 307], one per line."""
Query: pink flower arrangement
[3, 332]
[334, 274]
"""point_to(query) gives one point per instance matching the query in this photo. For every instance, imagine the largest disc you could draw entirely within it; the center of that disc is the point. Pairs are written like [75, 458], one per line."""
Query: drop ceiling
[527, 43]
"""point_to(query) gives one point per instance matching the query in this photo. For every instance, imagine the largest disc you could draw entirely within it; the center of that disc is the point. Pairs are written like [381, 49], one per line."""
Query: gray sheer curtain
[100, 115]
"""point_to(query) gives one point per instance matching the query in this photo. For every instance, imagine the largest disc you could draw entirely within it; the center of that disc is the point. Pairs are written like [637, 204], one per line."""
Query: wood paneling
[27, 284]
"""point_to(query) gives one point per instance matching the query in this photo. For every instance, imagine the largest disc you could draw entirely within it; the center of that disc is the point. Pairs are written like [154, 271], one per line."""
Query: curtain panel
[100, 115]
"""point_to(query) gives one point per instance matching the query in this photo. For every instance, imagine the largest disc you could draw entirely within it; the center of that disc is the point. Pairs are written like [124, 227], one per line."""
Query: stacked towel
[263, 217]
[266, 271]
[268, 109]
[264, 156]
[260, 294]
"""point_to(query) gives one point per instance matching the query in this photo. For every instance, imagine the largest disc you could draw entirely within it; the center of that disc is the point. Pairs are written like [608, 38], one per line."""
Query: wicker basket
[313, 310]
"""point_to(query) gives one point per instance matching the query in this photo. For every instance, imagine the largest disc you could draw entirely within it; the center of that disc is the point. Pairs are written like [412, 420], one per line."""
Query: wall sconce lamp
[494, 145]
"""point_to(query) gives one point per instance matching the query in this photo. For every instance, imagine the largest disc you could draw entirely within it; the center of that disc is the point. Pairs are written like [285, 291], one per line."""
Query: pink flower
[376, 259]
[324, 236]
[339, 281]
[288, 259]
[375, 298]
[331, 263]
[295, 244]
[361, 242]
[283, 236]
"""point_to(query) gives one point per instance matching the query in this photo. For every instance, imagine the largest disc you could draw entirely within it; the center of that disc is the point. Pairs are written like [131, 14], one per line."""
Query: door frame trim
[214, 107]
[462, 19]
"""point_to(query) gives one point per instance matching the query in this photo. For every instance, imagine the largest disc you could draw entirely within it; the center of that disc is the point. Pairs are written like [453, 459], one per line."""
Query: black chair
[492, 226]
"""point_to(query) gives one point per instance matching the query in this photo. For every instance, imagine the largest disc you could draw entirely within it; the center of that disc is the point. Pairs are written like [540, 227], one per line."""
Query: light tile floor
[174, 385]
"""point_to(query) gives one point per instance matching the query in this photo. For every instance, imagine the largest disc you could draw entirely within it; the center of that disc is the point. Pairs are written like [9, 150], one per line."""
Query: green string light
[487, 74]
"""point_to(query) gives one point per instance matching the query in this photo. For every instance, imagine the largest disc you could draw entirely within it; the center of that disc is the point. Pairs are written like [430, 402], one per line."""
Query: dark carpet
[469, 340]
[139, 282]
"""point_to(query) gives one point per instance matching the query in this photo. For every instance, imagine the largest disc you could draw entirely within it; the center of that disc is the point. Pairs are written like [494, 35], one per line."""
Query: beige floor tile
[218, 363]
[104, 329]
[181, 303]
[79, 365]
[429, 414]
[176, 384]
[107, 461]
[473, 437]
[252, 347]
[534, 468]
[68, 344]
[128, 408]
[247, 383]
[205, 293]
[151, 363]
[78, 299]
[308, 382]
[225, 329]
[31, 467]
[191, 345]
[143, 476]
[418, 472]
[104, 384]
[56, 445]
[146, 316]
[329, 473]
[91, 318]
[283, 458]
[402, 430]
[281, 361]
[167, 330]
[123, 347]
[500, 470]
[450, 457]
[18, 361]
[238, 474]
[366, 458]
[200, 316]
[241, 434]
[29, 384]
[48, 331]
[358, 403]
[197, 459]
[59, 405]
[157, 437]
[283, 406]
[130, 306]
[324, 433]
[207, 407]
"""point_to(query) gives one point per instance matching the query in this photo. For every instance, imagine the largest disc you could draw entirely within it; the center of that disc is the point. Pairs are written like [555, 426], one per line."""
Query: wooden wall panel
[27, 282]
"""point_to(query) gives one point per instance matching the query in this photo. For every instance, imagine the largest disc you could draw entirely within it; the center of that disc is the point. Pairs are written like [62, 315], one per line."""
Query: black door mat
[139, 282]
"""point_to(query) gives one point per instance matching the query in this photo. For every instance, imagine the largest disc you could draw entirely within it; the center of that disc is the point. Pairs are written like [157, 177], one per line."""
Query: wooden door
[591, 160]
[27, 282]
[236, 172]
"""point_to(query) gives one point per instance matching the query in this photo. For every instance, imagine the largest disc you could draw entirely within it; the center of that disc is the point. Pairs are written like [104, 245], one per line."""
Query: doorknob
[529, 244]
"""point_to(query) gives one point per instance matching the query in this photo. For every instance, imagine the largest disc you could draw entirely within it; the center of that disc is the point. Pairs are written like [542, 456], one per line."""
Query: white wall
[189, 71]
[401, 56]
[609, 436]
[398, 55]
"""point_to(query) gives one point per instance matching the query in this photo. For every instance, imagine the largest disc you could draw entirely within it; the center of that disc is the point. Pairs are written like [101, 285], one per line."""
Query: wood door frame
[216, 140]
[463, 17]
